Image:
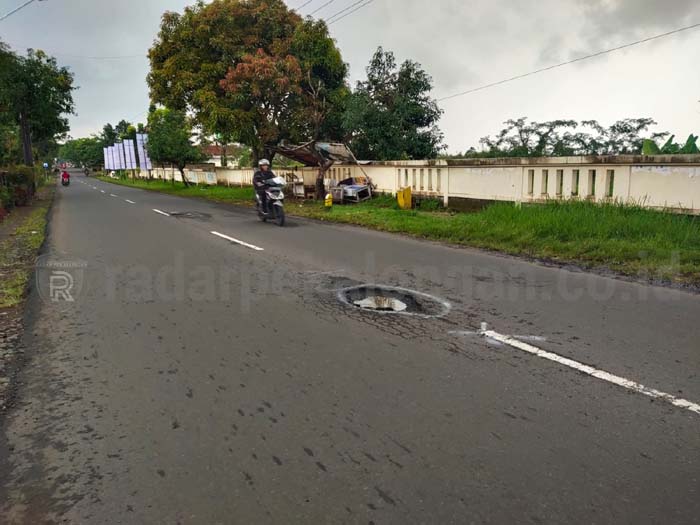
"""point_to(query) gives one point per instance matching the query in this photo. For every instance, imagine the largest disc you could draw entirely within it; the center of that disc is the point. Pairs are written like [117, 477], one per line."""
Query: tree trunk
[182, 174]
[261, 152]
[26, 137]
[320, 185]
[224, 157]
[269, 154]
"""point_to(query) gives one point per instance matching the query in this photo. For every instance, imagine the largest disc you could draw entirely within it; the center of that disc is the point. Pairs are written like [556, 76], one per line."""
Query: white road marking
[113, 195]
[492, 342]
[130, 202]
[102, 191]
[251, 246]
[161, 212]
[591, 371]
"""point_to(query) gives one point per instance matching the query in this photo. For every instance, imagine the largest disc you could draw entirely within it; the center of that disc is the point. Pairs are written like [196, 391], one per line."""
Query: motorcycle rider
[260, 178]
[65, 176]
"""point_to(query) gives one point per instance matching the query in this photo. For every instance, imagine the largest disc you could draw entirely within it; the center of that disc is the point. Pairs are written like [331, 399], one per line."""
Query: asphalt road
[197, 380]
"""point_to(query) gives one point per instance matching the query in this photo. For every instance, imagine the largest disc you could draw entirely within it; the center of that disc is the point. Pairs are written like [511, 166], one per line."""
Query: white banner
[125, 148]
[142, 145]
[130, 154]
[121, 160]
[106, 158]
[110, 156]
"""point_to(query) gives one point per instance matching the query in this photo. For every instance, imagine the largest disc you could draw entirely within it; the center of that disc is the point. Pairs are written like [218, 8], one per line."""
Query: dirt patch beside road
[22, 235]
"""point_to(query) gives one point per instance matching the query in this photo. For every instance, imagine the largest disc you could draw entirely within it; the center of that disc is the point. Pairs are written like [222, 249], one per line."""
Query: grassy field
[18, 252]
[624, 239]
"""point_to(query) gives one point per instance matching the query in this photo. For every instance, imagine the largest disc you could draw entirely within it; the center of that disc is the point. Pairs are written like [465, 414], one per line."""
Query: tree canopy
[169, 140]
[251, 72]
[523, 138]
[391, 115]
[35, 97]
[85, 151]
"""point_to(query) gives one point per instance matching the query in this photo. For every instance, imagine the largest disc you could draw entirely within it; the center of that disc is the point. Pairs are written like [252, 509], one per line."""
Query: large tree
[205, 61]
[36, 95]
[169, 140]
[9, 131]
[391, 115]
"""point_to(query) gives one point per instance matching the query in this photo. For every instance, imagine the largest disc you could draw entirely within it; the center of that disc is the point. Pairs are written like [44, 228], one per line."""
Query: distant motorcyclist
[65, 176]
[262, 175]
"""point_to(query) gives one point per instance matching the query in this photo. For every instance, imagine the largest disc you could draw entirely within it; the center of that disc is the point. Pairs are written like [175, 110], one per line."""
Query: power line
[25, 4]
[569, 62]
[344, 10]
[319, 8]
[302, 6]
[351, 12]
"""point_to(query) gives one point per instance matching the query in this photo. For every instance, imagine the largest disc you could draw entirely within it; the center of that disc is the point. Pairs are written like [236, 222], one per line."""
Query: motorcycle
[65, 182]
[275, 201]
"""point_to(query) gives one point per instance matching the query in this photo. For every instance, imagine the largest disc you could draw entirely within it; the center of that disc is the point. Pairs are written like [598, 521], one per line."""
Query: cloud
[461, 44]
[611, 21]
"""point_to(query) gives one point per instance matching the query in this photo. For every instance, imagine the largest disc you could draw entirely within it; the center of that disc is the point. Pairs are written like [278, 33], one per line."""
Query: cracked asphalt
[190, 379]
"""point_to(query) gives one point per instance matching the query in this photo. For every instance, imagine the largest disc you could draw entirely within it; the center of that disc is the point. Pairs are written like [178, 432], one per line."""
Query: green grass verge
[233, 194]
[18, 254]
[625, 239]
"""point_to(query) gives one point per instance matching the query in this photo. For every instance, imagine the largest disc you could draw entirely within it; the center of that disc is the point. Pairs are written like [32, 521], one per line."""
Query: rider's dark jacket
[260, 177]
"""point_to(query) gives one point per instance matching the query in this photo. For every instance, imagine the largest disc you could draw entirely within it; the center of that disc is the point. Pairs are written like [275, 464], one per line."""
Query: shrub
[6, 199]
[20, 182]
[21, 176]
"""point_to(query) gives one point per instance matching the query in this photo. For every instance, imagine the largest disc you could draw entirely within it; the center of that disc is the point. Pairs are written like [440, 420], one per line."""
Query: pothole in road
[190, 215]
[381, 304]
[391, 300]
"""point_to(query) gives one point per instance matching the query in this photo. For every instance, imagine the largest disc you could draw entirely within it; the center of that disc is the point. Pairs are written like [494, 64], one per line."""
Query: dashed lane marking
[161, 212]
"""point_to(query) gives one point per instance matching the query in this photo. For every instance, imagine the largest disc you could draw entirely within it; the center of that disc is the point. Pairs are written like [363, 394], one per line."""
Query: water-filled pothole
[392, 300]
[381, 304]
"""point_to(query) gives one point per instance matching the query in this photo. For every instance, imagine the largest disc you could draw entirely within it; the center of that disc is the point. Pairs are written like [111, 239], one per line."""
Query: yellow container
[329, 200]
[404, 198]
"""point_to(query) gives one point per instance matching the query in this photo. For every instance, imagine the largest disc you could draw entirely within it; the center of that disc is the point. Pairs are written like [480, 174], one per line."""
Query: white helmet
[264, 162]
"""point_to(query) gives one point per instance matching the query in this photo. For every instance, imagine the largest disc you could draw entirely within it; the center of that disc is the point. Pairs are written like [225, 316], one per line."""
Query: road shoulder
[22, 237]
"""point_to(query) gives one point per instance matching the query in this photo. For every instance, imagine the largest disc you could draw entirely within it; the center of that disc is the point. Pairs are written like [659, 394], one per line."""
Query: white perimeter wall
[662, 186]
